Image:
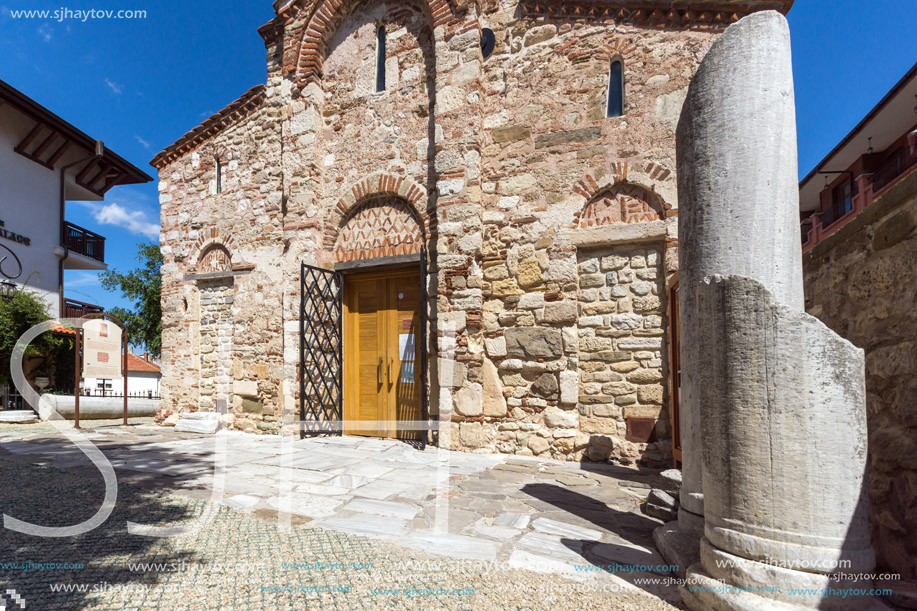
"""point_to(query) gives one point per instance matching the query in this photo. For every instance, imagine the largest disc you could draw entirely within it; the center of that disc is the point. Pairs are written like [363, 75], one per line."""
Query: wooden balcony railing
[834, 213]
[893, 168]
[75, 309]
[84, 242]
[805, 228]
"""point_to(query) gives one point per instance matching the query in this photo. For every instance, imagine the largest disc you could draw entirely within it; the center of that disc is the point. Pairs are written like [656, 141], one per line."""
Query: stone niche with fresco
[621, 203]
[216, 259]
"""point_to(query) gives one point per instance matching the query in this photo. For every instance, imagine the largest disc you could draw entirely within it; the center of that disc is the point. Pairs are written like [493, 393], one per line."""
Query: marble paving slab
[367, 525]
[448, 544]
[496, 532]
[245, 502]
[521, 559]
[323, 489]
[556, 547]
[568, 531]
[512, 520]
[383, 508]
[311, 506]
[631, 555]
[381, 489]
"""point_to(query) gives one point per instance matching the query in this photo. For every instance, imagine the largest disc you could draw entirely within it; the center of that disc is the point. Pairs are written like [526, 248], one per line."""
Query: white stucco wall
[137, 382]
[29, 206]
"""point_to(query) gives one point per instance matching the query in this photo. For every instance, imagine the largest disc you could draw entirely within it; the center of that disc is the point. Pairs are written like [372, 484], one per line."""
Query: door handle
[379, 372]
[389, 372]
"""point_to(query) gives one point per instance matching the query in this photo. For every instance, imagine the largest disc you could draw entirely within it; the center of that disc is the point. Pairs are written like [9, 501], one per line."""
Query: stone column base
[676, 547]
[724, 582]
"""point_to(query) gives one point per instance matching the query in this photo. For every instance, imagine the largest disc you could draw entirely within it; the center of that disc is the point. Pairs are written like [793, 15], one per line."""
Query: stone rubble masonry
[495, 160]
[862, 282]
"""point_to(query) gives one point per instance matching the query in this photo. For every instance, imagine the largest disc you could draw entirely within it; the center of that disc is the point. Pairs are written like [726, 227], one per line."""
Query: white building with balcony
[45, 162]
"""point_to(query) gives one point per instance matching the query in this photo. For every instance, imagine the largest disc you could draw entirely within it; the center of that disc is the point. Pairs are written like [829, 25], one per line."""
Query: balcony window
[843, 197]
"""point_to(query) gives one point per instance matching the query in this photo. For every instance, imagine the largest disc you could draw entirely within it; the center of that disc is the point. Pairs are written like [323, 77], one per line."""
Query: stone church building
[440, 218]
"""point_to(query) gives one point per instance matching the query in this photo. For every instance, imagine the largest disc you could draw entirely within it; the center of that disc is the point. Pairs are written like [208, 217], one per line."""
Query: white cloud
[142, 142]
[46, 32]
[134, 221]
[83, 279]
[115, 87]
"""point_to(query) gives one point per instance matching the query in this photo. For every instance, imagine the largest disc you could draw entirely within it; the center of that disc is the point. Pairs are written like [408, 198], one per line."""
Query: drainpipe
[100, 150]
[852, 178]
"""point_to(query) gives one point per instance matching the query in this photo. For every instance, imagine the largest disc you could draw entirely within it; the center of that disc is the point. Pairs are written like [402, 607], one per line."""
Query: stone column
[774, 430]
[737, 188]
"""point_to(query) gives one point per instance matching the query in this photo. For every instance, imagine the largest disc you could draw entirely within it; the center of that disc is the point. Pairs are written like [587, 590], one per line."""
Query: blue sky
[139, 84]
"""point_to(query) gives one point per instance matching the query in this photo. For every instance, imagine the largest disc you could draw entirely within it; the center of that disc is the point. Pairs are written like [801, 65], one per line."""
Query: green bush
[17, 315]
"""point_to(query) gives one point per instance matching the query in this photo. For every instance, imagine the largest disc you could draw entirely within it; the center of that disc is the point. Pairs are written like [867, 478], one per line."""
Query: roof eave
[37, 112]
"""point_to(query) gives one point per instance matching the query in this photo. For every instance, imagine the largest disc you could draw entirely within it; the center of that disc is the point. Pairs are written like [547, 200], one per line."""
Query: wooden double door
[382, 353]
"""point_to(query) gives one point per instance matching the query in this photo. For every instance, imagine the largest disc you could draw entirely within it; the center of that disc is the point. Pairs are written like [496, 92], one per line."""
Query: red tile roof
[63, 329]
[249, 101]
[137, 363]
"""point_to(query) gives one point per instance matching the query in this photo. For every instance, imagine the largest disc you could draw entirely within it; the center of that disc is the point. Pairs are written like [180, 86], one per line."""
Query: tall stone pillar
[737, 188]
[775, 417]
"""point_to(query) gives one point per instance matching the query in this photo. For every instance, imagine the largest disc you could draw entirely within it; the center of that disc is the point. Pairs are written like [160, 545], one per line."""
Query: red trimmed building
[860, 264]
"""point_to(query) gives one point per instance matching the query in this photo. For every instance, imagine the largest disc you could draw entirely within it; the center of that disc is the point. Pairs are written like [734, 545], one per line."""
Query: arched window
[615, 106]
[488, 42]
[380, 58]
[219, 176]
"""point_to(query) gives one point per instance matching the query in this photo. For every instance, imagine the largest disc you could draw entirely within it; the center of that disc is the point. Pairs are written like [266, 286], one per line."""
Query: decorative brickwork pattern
[323, 18]
[383, 227]
[649, 13]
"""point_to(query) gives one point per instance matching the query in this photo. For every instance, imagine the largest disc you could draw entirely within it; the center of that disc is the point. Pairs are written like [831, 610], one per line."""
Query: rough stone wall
[511, 171]
[622, 292]
[216, 299]
[862, 282]
[244, 218]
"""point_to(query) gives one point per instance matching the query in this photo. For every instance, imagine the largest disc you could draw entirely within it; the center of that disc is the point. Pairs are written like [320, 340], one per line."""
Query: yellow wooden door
[364, 347]
[404, 351]
[381, 352]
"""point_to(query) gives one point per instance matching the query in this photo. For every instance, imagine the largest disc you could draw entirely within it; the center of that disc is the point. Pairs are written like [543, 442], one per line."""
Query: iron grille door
[424, 417]
[320, 344]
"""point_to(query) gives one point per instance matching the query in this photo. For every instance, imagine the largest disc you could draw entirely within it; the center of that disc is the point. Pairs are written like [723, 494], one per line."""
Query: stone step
[18, 415]
[206, 423]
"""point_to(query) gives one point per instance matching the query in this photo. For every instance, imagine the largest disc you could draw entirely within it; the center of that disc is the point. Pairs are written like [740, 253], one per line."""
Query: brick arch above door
[382, 226]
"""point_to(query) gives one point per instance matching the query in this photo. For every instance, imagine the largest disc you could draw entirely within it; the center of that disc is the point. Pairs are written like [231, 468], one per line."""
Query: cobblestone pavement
[374, 524]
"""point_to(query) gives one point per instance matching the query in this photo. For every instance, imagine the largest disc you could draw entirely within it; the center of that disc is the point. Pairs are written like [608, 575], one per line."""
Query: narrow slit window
[219, 176]
[380, 59]
[616, 90]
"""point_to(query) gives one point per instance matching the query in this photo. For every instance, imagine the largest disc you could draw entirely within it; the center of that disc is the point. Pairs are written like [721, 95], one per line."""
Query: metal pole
[76, 381]
[302, 352]
[124, 369]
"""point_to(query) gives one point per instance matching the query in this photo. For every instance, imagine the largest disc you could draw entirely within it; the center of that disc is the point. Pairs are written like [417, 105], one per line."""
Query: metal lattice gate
[321, 364]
